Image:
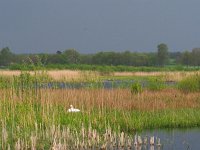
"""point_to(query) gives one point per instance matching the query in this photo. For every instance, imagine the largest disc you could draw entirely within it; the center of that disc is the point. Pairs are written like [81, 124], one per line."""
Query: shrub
[155, 84]
[136, 88]
[190, 84]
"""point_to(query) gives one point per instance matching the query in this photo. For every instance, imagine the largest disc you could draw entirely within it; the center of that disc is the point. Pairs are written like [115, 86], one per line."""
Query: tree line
[161, 57]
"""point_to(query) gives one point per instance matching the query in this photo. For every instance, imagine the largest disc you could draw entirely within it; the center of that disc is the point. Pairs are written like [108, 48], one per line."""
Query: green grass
[25, 120]
[190, 84]
[27, 114]
[104, 69]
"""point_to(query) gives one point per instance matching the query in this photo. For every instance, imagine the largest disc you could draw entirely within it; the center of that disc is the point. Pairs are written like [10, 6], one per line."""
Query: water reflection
[174, 139]
[147, 143]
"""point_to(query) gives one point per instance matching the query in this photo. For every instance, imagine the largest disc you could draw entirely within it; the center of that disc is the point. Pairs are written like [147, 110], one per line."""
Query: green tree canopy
[6, 56]
[72, 56]
[186, 58]
[163, 55]
[196, 56]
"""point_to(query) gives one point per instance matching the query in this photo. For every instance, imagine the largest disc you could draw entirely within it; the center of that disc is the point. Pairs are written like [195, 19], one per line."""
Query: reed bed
[57, 75]
[37, 118]
[121, 99]
[77, 75]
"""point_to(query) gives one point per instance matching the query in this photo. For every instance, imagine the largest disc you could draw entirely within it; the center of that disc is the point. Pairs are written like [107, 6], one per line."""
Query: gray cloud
[91, 25]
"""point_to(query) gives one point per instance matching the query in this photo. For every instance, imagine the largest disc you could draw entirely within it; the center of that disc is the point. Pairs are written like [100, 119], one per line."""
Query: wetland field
[34, 110]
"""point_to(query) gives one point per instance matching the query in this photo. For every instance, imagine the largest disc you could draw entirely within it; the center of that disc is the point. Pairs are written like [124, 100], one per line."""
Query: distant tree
[36, 59]
[196, 57]
[152, 59]
[86, 59]
[56, 59]
[162, 55]
[126, 58]
[186, 58]
[175, 57]
[6, 57]
[98, 58]
[143, 59]
[72, 56]
[107, 58]
[43, 58]
[112, 58]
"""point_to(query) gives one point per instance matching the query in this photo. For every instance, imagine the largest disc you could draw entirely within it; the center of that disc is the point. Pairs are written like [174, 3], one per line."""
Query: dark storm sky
[32, 26]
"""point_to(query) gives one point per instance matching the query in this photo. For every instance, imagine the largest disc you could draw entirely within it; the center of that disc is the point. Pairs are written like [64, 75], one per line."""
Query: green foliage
[27, 84]
[6, 57]
[190, 84]
[5, 82]
[108, 58]
[72, 56]
[155, 84]
[186, 58]
[195, 54]
[105, 70]
[101, 68]
[136, 88]
[163, 56]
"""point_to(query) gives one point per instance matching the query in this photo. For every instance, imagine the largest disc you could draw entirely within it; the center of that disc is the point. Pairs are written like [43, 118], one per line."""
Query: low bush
[190, 84]
[155, 84]
[136, 88]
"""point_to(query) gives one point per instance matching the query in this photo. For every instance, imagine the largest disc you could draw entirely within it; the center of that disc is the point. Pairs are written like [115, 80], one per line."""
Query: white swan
[72, 109]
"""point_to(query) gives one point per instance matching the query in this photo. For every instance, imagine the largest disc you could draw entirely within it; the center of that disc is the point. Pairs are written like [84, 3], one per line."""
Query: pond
[174, 139]
[107, 84]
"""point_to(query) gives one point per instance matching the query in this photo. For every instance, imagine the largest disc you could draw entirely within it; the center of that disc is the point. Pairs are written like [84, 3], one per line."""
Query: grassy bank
[105, 68]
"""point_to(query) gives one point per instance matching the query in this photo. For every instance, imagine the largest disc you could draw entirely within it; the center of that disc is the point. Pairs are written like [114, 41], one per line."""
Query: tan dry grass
[78, 75]
[169, 76]
[9, 73]
[64, 74]
[56, 74]
[88, 99]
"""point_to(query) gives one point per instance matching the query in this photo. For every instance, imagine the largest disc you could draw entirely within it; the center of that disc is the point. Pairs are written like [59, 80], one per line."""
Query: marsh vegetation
[36, 117]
